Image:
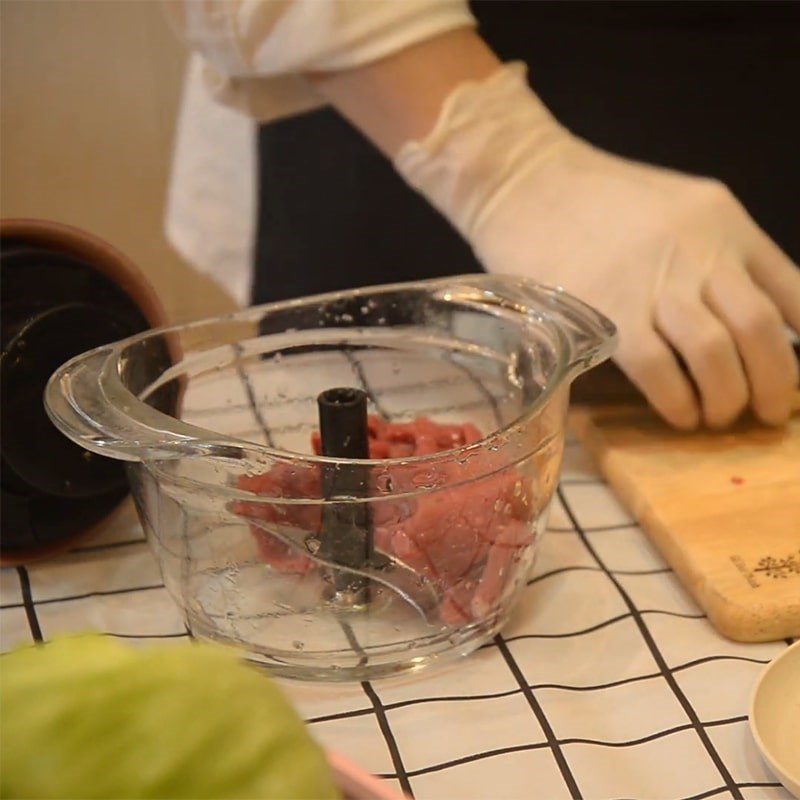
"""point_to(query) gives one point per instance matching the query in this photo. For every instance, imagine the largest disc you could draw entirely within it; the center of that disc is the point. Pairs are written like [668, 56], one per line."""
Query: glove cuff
[486, 135]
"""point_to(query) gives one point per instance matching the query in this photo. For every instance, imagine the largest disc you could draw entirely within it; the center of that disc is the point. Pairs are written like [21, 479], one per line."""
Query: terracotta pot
[64, 291]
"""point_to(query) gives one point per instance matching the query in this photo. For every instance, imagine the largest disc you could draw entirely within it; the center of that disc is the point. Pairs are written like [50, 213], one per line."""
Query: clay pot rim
[95, 251]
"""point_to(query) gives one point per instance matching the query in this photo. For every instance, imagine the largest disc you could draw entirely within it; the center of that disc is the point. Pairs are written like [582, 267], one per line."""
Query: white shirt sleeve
[256, 51]
[254, 54]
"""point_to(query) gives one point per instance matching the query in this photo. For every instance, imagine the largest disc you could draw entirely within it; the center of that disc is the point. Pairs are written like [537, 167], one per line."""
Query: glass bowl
[339, 568]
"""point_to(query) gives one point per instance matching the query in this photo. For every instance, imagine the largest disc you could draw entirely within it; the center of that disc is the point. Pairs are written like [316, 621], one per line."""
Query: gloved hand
[674, 260]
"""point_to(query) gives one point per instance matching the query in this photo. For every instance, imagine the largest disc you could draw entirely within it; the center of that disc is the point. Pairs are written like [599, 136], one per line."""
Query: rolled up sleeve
[257, 51]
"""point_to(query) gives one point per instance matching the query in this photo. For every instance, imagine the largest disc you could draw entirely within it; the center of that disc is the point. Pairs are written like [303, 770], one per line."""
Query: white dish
[775, 717]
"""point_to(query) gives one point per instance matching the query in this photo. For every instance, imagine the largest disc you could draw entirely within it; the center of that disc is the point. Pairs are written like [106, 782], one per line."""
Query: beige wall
[88, 94]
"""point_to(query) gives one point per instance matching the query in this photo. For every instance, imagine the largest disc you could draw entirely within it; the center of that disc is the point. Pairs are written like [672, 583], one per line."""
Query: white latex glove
[674, 260]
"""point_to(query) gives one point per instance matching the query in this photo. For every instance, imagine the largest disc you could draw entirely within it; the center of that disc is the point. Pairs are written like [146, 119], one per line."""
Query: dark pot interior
[63, 292]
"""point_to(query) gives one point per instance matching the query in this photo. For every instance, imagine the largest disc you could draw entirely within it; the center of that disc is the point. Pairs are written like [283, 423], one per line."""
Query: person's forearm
[398, 98]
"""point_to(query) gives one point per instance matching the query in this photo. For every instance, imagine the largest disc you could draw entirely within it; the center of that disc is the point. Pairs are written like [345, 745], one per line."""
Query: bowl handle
[590, 336]
[87, 401]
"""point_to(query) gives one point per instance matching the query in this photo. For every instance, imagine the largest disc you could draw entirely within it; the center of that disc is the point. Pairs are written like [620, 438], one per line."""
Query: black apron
[707, 88]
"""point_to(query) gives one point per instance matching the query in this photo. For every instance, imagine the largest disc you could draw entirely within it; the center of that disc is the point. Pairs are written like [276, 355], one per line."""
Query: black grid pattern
[533, 670]
[659, 658]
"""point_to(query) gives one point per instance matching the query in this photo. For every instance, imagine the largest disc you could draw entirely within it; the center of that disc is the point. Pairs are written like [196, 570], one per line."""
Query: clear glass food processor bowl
[467, 380]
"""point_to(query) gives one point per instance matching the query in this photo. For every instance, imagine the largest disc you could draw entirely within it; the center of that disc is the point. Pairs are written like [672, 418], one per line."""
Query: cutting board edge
[731, 619]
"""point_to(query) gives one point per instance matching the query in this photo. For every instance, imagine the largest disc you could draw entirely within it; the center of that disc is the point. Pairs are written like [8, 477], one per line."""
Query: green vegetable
[89, 717]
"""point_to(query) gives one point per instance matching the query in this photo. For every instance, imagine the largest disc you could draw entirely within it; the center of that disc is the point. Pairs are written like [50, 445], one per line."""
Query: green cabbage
[89, 717]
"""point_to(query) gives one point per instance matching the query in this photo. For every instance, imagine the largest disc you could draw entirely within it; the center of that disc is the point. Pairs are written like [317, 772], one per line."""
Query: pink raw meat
[464, 538]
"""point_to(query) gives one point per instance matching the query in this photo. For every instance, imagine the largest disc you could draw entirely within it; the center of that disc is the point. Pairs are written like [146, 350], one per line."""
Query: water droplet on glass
[298, 645]
[384, 482]
[424, 478]
[313, 545]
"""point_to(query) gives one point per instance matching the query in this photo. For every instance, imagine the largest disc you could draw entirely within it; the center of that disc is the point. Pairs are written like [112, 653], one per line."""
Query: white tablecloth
[607, 683]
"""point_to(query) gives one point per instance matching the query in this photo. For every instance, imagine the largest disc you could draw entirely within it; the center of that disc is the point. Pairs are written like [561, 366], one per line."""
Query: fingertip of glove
[775, 417]
[686, 419]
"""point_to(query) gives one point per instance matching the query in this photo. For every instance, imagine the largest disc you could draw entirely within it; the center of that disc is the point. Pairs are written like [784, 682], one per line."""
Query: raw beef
[462, 524]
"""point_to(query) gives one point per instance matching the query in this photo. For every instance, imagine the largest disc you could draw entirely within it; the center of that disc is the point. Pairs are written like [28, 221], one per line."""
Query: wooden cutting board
[723, 509]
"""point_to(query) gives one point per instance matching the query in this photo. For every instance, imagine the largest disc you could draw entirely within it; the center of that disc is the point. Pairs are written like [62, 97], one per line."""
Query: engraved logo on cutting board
[769, 568]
